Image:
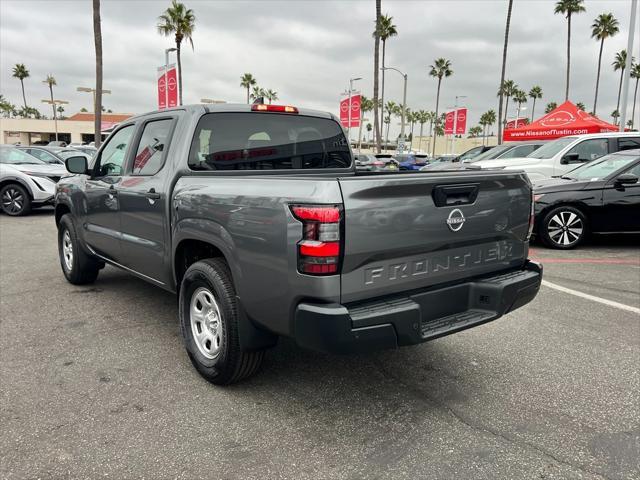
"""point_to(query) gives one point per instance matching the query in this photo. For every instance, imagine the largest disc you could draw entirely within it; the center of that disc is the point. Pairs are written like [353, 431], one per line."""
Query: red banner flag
[162, 89]
[355, 111]
[172, 86]
[460, 122]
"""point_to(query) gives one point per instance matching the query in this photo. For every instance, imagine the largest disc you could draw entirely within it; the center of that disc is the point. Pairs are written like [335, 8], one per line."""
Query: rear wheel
[563, 227]
[78, 267]
[209, 323]
[15, 200]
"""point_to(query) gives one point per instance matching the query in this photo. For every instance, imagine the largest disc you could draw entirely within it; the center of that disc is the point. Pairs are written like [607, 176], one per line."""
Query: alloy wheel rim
[12, 200]
[565, 228]
[207, 325]
[67, 250]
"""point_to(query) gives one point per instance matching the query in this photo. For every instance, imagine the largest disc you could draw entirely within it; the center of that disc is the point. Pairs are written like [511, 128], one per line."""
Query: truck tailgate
[405, 232]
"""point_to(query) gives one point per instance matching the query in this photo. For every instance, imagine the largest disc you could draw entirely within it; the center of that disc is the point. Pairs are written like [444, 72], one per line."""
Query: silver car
[25, 181]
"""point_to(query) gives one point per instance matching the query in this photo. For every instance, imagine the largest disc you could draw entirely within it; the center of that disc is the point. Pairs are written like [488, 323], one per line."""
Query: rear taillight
[261, 107]
[320, 248]
[531, 215]
[378, 164]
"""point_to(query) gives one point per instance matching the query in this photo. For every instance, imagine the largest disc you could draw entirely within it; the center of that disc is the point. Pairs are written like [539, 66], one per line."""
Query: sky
[307, 50]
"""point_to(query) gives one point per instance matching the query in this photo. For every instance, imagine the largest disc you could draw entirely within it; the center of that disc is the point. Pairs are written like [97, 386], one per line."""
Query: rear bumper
[417, 317]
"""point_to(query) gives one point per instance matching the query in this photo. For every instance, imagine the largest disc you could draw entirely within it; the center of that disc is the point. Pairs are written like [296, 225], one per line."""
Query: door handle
[152, 195]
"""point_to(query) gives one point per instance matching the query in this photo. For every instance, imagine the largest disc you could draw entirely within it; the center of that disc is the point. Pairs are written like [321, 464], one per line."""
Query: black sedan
[602, 196]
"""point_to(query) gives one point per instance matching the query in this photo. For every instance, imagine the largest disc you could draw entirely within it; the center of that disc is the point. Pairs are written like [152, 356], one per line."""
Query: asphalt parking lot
[95, 382]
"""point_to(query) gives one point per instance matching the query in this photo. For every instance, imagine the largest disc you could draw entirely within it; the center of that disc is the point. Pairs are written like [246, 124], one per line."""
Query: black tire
[83, 268]
[563, 228]
[15, 200]
[228, 364]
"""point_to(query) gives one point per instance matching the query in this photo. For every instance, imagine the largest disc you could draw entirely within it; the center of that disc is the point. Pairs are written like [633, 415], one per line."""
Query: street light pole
[455, 123]
[351, 80]
[93, 91]
[627, 71]
[166, 71]
[404, 104]
[55, 118]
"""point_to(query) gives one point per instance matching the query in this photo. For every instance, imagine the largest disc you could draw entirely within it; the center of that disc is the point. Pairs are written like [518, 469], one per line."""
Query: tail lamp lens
[320, 247]
[531, 215]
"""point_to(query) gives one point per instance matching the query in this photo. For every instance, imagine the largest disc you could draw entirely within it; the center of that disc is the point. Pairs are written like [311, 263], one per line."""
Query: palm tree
[504, 65]
[620, 63]
[568, 8]
[369, 128]
[386, 30]
[376, 76]
[422, 117]
[519, 97]
[20, 72]
[97, 107]
[180, 21]
[391, 109]
[51, 81]
[509, 89]
[615, 114]
[247, 81]
[483, 122]
[257, 92]
[581, 106]
[635, 73]
[604, 26]
[475, 131]
[440, 69]
[271, 95]
[535, 93]
[551, 106]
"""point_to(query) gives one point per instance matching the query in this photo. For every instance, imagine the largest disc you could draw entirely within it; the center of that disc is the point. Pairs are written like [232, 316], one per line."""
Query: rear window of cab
[267, 141]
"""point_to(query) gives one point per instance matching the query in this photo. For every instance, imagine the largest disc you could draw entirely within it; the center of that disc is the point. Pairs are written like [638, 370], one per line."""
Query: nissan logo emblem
[455, 220]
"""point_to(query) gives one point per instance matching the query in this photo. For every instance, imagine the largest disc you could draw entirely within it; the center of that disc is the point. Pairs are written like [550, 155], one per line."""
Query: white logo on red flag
[355, 111]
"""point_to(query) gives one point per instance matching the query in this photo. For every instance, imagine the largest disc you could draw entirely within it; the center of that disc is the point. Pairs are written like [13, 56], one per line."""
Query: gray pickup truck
[256, 217]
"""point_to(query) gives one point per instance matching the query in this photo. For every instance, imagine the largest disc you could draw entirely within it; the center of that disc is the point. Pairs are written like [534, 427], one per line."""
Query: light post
[627, 71]
[455, 123]
[351, 80]
[93, 91]
[166, 70]
[55, 118]
[404, 105]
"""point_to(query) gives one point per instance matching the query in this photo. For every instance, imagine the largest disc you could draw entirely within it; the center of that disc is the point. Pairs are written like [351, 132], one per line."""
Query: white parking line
[604, 301]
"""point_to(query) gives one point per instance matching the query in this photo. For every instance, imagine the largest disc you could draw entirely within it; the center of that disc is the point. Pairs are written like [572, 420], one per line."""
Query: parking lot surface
[95, 382]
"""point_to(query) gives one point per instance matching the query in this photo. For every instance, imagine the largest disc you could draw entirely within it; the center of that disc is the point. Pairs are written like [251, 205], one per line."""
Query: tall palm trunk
[376, 71]
[422, 126]
[97, 39]
[248, 98]
[360, 129]
[504, 64]
[619, 93]
[384, 48]
[24, 97]
[595, 100]
[566, 95]
[506, 112]
[533, 108]
[178, 42]
[633, 109]
[435, 136]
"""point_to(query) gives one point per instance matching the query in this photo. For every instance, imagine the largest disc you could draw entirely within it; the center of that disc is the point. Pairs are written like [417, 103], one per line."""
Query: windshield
[267, 141]
[491, 154]
[601, 168]
[552, 148]
[18, 157]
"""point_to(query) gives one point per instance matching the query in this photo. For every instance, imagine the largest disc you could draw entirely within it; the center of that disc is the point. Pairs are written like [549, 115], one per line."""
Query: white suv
[566, 153]
[26, 181]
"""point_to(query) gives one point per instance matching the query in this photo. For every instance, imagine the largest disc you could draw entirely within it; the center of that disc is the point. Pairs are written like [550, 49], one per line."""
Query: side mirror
[627, 179]
[570, 158]
[77, 164]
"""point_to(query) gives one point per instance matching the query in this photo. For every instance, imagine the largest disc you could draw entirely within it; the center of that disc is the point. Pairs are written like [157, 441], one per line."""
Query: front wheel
[78, 267]
[209, 323]
[563, 228]
[15, 200]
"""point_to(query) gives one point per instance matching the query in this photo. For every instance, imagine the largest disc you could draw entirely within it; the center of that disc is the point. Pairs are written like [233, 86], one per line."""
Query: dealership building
[78, 128]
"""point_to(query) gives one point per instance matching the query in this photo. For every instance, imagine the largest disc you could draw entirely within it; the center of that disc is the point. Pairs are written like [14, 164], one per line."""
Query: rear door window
[152, 147]
[267, 141]
[628, 143]
[519, 151]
